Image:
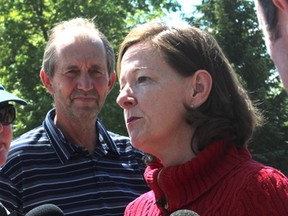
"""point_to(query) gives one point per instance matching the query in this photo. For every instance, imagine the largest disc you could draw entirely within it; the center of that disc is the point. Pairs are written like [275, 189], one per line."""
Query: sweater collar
[177, 186]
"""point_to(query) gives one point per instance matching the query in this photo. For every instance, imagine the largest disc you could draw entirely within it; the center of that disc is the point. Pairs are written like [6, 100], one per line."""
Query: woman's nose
[126, 99]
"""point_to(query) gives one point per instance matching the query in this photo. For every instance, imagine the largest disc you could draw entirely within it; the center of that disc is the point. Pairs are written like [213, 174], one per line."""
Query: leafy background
[24, 29]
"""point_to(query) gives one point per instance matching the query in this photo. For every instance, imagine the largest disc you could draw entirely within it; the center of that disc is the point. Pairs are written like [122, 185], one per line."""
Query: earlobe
[201, 87]
[112, 80]
[46, 81]
[281, 5]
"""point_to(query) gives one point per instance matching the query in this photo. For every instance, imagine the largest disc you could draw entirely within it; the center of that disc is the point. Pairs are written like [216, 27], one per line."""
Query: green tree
[24, 29]
[234, 25]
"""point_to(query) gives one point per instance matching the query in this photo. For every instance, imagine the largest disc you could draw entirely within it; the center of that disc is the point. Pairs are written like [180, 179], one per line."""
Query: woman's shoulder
[261, 173]
[143, 205]
[265, 190]
[256, 189]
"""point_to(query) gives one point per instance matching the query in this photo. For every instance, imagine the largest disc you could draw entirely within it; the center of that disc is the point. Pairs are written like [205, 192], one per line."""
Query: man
[273, 18]
[71, 160]
[7, 117]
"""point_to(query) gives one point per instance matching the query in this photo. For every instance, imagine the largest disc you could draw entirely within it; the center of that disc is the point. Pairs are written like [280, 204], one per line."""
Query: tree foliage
[24, 29]
[234, 24]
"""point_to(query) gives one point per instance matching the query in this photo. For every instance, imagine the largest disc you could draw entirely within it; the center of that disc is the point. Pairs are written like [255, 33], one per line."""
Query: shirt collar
[68, 151]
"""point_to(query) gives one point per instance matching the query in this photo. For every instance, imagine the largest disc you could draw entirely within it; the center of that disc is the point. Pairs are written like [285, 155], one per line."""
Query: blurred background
[24, 29]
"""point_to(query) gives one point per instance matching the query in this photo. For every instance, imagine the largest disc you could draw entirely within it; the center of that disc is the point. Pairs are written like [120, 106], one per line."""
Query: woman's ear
[200, 88]
[46, 80]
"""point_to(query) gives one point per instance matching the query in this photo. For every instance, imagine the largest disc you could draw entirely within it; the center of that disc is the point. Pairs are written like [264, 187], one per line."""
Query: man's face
[278, 49]
[81, 82]
[263, 25]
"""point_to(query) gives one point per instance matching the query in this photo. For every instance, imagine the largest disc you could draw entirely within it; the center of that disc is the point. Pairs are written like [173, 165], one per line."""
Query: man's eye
[96, 72]
[72, 73]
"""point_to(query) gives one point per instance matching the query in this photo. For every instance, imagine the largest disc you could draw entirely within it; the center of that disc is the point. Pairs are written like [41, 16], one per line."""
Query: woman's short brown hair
[228, 109]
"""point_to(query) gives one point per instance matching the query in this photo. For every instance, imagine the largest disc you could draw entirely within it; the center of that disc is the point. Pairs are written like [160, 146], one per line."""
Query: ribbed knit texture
[221, 180]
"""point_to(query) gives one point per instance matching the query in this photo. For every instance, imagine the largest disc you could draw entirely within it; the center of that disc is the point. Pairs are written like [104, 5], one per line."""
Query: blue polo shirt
[43, 167]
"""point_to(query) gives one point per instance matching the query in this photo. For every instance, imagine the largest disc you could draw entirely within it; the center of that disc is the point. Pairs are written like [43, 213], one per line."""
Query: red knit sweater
[221, 180]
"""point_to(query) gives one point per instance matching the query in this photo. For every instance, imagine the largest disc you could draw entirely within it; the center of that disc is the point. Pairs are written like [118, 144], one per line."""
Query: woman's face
[153, 95]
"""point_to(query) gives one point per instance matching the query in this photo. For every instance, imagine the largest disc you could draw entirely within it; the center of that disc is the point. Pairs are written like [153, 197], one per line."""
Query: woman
[185, 108]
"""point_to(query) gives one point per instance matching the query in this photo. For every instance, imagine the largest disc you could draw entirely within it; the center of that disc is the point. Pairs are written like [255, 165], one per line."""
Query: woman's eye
[142, 79]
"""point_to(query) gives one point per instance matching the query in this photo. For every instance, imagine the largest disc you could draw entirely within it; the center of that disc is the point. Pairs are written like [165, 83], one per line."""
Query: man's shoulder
[32, 144]
[35, 135]
[118, 138]
[123, 144]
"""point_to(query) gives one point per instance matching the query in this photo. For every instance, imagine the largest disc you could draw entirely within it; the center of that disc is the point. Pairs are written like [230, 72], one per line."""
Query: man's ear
[200, 88]
[112, 80]
[46, 80]
[281, 5]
